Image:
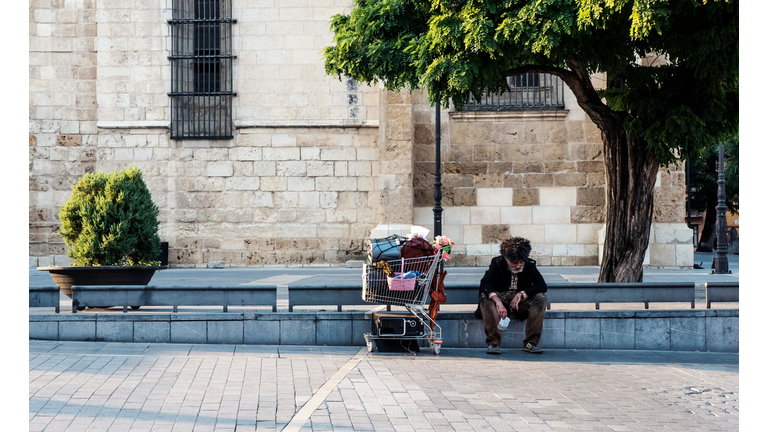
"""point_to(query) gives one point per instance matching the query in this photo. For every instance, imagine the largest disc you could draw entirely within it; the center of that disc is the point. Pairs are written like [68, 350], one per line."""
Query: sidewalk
[94, 386]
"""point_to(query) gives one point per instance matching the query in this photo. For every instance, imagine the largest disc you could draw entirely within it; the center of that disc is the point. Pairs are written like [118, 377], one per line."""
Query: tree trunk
[630, 174]
[707, 239]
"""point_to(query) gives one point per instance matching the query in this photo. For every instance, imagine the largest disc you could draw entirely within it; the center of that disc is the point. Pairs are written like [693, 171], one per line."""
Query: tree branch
[578, 80]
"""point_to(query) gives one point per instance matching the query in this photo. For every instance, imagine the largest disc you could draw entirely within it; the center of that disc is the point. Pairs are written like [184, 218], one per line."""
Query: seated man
[512, 286]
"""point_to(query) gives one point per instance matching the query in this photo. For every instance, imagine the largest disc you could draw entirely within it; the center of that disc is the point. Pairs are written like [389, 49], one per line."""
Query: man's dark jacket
[498, 278]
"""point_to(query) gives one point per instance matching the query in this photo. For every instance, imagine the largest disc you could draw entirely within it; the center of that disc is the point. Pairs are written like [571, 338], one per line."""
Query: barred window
[526, 91]
[201, 69]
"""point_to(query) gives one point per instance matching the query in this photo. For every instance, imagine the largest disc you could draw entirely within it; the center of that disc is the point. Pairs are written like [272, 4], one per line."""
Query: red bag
[417, 247]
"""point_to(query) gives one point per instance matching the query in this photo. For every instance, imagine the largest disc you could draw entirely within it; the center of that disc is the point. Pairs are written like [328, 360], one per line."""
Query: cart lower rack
[381, 289]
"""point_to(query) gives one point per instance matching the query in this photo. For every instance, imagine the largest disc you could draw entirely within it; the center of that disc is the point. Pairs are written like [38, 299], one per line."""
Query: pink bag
[397, 284]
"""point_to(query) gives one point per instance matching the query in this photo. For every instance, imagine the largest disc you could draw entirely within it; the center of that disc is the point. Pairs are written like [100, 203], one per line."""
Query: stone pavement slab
[94, 386]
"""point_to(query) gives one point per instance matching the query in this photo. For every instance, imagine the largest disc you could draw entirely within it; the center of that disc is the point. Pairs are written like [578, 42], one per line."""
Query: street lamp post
[438, 209]
[721, 257]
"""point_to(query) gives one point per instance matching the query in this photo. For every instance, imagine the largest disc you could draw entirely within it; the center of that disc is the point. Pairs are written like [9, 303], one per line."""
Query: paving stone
[208, 387]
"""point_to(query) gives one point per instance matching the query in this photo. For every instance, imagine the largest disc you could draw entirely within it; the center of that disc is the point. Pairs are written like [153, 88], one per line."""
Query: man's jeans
[535, 306]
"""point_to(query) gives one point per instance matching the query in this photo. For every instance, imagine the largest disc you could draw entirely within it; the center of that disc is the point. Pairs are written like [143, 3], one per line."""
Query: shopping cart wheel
[371, 345]
[436, 348]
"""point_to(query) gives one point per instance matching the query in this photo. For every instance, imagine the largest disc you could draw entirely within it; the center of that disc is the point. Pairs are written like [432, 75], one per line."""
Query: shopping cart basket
[377, 288]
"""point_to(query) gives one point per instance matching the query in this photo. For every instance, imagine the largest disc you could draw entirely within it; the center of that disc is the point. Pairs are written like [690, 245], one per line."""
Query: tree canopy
[678, 102]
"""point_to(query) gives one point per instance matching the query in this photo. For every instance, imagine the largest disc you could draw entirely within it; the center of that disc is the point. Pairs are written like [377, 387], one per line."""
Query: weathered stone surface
[559, 167]
[525, 197]
[595, 179]
[587, 214]
[668, 214]
[590, 166]
[570, 179]
[585, 152]
[464, 197]
[555, 152]
[69, 140]
[488, 180]
[590, 197]
[528, 167]
[538, 180]
[495, 233]
[575, 131]
[451, 180]
[500, 167]
[512, 181]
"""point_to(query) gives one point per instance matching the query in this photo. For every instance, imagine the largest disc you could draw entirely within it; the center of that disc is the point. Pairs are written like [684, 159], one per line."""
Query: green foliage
[685, 101]
[110, 219]
[704, 176]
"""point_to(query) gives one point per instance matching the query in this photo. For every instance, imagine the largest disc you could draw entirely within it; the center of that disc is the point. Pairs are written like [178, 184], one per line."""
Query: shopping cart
[377, 289]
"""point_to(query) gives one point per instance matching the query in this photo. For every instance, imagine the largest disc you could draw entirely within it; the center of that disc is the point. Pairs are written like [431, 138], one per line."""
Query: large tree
[651, 114]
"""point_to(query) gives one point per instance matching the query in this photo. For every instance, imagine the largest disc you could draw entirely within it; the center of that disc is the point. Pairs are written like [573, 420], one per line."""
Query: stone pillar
[396, 156]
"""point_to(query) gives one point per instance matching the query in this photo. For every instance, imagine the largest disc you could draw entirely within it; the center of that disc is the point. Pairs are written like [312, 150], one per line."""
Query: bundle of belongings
[415, 245]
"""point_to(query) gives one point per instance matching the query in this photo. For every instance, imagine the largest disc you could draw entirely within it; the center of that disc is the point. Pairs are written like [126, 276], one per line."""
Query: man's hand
[502, 311]
[516, 300]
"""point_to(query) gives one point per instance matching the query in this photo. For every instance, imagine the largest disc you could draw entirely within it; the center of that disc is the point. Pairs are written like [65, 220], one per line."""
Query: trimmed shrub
[110, 220]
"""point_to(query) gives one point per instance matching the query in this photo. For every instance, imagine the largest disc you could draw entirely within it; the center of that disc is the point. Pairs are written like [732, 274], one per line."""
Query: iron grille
[526, 91]
[201, 69]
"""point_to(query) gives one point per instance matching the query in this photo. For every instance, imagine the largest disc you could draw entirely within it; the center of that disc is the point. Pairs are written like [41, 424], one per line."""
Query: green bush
[110, 220]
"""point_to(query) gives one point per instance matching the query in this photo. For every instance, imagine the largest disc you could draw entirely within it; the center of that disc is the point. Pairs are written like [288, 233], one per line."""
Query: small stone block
[723, 334]
[582, 333]
[217, 264]
[617, 333]
[188, 332]
[471, 333]
[688, 334]
[77, 331]
[334, 332]
[259, 332]
[114, 331]
[359, 328]
[69, 140]
[298, 332]
[152, 331]
[450, 332]
[553, 333]
[44, 330]
[652, 334]
[514, 335]
[225, 332]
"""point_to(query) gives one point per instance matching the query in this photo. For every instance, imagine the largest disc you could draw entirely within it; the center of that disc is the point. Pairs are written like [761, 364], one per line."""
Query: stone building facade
[316, 164]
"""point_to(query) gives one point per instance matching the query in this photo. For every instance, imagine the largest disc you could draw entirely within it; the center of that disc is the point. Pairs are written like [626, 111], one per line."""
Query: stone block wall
[535, 174]
[279, 72]
[316, 163]
[275, 196]
[62, 114]
[299, 184]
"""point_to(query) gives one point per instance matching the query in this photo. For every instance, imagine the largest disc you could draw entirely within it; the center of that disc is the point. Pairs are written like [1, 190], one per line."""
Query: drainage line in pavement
[301, 417]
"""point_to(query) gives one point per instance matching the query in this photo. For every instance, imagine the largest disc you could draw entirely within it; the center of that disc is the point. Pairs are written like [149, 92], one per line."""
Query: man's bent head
[516, 251]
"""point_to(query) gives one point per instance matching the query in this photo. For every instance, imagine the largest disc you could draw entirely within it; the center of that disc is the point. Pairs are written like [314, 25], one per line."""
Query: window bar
[527, 90]
[538, 87]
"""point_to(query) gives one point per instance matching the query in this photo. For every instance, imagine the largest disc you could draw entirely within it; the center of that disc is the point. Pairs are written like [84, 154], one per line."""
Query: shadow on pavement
[697, 360]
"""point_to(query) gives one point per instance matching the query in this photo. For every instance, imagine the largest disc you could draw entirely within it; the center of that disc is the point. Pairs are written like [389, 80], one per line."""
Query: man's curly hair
[516, 249]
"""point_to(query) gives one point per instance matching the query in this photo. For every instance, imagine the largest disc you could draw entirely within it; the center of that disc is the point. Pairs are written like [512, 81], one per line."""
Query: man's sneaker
[493, 349]
[531, 348]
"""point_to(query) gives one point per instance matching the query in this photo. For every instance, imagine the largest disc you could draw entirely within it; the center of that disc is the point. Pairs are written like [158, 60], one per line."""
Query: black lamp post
[438, 209]
[721, 257]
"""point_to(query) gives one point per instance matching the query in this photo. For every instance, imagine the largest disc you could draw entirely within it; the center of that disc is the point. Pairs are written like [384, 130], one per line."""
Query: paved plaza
[97, 386]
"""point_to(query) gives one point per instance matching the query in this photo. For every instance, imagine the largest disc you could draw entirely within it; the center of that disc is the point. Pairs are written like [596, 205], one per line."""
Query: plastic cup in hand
[503, 324]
